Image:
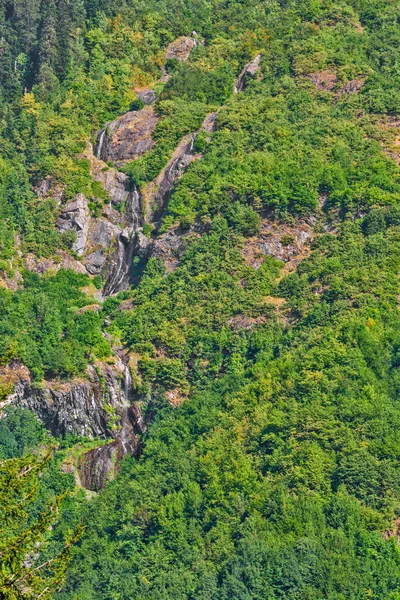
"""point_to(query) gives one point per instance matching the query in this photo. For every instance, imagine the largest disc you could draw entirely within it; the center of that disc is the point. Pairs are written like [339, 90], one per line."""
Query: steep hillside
[199, 289]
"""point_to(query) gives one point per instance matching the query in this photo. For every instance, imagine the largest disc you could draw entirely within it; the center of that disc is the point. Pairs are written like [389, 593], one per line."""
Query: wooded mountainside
[199, 299]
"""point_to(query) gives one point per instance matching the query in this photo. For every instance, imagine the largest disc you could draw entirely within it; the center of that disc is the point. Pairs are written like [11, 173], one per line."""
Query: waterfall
[119, 276]
[127, 382]
[121, 270]
[133, 209]
[100, 144]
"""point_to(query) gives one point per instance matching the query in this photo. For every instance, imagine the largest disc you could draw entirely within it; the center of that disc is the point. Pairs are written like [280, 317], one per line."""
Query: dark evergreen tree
[48, 50]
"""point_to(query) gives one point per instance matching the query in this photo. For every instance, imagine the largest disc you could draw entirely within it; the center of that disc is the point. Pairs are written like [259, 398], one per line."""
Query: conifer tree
[23, 571]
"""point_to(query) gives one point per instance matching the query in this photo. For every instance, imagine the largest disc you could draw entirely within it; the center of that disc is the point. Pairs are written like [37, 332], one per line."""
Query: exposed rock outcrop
[158, 192]
[351, 87]
[99, 466]
[323, 80]
[128, 137]
[170, 246]
[75, 216]
[248, 71]
[147, 96]
[288, 243]
[103, 242]
[99, 406]
[132, 242]
[47, 187]
[10, 281]
[209, 123]
[181, 48]
[328, 81]
[242, 322]
[121, 263]
[92, 407]
[62, 260]
[107, 243]
[391, 148]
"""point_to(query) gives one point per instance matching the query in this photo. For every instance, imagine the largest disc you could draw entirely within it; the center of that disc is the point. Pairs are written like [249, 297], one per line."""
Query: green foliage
[280, 473]
[20, 432]
[271, 468]
[42, 324]
[190, 83]
[185, 316]
[286, 150]
[178, 118]
[22, 574]
[137, 104]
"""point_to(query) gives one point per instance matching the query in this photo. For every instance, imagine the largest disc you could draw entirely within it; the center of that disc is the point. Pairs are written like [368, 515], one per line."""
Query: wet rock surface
[159, 191]
[99, 466]
[103, 242]
[81, 406]
[115, 183]
[108, 243]
[128, 137]
[121, 263]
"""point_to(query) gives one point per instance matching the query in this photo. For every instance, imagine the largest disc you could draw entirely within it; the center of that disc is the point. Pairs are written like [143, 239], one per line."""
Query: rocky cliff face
[103, 241]
[92, 407]
[107, 243]
[62, 260]
[328, 81]
[102, 405]
[128, 137]
[248, 71]
[158, 192]
[75, 216]
[97, 407]
[131, 241]
[99, 466]
[288, 243]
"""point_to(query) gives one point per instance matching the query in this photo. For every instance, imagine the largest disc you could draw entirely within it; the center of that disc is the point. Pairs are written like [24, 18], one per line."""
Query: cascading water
[133, 209]
[132, 242]
[121, 271]
[100, 145]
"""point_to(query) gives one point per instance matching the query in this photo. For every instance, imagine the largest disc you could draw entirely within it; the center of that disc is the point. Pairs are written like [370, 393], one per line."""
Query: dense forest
[246, 372]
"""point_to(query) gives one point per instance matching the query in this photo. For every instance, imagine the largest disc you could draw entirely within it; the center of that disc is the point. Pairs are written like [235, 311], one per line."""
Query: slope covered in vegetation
[261, 326]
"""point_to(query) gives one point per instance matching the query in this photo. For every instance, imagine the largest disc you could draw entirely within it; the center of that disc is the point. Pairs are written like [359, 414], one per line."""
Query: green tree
[24, 573]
